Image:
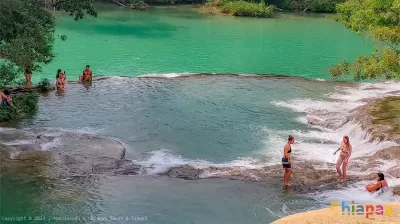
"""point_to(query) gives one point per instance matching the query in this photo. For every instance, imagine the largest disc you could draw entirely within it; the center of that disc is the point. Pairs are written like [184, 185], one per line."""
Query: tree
[379, 20]
[27, 33]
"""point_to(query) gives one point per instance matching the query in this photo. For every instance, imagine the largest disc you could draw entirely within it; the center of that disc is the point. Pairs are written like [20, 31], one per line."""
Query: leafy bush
[243, 8]
[139, 5]
[25, 104]
[44, 85]
[8, 74]
[380, 21]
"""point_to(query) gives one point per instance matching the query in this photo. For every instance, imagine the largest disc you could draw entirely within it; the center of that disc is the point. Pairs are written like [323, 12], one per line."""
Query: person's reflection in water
[87, 84]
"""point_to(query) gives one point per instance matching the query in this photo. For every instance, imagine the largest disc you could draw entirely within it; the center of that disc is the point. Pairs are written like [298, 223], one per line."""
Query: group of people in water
[342, 162]
[61, 77]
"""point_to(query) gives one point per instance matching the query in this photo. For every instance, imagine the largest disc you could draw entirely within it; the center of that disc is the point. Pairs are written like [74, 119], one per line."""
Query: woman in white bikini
[345, 153]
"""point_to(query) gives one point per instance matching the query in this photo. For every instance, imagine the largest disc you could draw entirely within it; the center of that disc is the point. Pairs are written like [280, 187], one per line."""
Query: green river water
[224, 120]
[178, 40]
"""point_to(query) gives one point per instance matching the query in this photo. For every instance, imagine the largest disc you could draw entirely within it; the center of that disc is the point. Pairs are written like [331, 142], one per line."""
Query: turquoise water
[178, 39]
[206, 120]
[229, 120]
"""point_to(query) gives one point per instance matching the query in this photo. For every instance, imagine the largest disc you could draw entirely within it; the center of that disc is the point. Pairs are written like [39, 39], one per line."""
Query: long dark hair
[348, 141]
[381, 176]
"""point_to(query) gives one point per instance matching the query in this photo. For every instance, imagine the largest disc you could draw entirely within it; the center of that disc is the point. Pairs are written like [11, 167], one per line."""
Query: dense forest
[28, 30]
[287, 5]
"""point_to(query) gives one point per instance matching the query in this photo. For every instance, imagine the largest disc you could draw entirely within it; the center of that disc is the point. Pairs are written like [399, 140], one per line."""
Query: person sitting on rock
[380, 184]
[86, 74]
[6, 98]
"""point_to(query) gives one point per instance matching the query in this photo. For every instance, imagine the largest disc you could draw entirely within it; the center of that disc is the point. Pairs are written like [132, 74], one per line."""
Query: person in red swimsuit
[86, 74]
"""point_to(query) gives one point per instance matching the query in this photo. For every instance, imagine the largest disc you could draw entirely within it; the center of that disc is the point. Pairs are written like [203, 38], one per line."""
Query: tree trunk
[119, 3]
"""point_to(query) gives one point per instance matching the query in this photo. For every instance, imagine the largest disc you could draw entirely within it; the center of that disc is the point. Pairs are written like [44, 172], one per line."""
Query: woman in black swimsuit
[286, 161]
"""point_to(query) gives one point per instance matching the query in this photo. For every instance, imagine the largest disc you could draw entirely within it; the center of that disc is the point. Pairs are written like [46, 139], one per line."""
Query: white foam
[321, 143]
[49, 145]
[55, 132]
[160, 161]
[342, 101]
[166, 75]
[366, 90]
[20, 142]
[357, 193]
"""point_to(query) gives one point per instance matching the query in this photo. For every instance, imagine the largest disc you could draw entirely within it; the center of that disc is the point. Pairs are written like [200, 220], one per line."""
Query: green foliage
[27, 33]
[25, 104]
[380, 20]
[242, 8]
[383, 63]
[8, 74]
[138, 5]
[76, 8]
[44, 85]
[378, 17]
[306, 5]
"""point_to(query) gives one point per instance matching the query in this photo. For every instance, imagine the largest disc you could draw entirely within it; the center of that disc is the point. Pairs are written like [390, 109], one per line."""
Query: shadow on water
[87, 84]
[37, 199]
[152, 30]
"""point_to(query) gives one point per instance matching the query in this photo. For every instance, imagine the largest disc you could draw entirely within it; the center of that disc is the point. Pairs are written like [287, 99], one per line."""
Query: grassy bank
[242, 8]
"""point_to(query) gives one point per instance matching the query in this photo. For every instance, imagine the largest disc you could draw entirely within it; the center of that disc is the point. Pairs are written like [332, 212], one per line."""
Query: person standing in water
[345, 153]
[28, 77]
[86, 74]
[287, 162]
[380, 184]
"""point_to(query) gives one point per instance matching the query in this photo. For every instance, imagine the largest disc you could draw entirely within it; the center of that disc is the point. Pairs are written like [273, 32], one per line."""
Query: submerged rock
[184, 172]
[67, 154]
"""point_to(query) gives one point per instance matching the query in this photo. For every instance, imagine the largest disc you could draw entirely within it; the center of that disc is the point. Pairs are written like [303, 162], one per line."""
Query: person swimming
[287, 162]
[345, 153]
[380, 184]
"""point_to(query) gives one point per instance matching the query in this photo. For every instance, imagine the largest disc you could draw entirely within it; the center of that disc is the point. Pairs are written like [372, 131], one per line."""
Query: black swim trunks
[285, 163]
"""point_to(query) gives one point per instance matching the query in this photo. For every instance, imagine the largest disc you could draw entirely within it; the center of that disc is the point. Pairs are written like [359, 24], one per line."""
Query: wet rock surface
[62, 154]
[306, 178]
[396, 190]
[380, 117]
